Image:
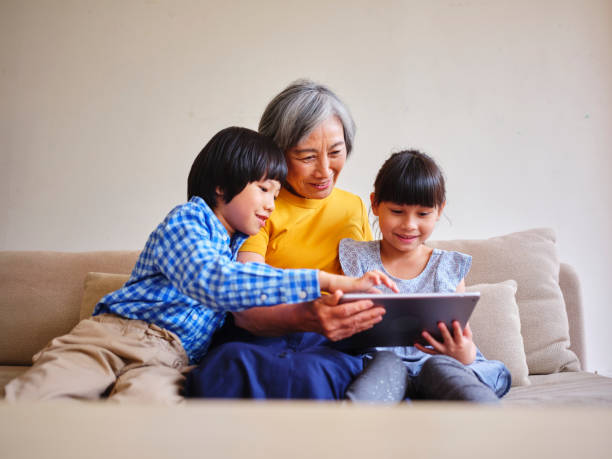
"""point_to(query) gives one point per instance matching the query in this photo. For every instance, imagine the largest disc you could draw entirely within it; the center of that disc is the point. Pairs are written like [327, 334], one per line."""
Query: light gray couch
[529, 316]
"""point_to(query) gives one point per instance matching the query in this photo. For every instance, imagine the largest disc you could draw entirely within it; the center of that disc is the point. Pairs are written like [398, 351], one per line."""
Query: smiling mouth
[262, 219]
[322, 185]
[406, 238]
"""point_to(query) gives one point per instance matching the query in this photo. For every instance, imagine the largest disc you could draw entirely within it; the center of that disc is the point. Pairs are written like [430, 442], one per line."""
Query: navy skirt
[295, 366]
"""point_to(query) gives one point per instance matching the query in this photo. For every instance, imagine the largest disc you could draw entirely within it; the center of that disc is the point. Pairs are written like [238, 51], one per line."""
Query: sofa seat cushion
[571, 387]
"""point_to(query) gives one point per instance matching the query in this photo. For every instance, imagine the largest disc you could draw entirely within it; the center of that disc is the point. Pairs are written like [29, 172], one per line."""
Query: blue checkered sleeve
[198, 262]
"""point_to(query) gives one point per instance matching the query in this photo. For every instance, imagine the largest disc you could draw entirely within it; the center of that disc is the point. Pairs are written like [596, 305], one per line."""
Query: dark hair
[232, 159]
[412, 178]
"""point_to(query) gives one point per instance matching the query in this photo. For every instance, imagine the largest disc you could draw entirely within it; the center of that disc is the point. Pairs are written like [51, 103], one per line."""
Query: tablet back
[407, 316]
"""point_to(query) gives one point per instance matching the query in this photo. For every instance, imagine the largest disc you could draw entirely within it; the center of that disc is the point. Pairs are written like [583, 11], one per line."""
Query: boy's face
[248, 211]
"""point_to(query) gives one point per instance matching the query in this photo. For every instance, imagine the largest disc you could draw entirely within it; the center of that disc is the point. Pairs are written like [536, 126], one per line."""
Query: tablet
[407, 316]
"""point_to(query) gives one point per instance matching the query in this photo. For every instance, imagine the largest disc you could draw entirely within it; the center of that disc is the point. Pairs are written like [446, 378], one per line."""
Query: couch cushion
[496, 328]
[96, 286]
[570, 387]
[40, 296]
[530, 258]
[9, 372]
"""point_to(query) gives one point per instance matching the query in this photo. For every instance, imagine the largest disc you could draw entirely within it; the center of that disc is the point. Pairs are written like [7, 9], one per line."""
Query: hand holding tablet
[456, 342]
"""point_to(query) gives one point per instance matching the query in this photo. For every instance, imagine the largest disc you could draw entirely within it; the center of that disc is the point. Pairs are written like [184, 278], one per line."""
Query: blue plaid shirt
[187, 277]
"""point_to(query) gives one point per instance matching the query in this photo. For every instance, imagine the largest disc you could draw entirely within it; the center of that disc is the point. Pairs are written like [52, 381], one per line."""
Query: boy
[142, 338]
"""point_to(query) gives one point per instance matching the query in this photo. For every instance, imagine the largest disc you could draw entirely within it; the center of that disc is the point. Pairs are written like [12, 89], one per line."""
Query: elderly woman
[272, 352]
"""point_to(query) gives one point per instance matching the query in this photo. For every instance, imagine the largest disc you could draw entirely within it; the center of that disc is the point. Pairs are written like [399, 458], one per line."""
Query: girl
[408, 199]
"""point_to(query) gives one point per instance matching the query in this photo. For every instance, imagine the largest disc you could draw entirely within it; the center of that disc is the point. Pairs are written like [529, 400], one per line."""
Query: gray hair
[301, 107]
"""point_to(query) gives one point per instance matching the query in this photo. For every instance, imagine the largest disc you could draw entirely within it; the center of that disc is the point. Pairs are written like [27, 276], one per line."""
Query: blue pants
[295, 366]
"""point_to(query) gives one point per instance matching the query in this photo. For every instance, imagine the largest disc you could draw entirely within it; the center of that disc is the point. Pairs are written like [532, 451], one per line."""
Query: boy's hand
[459, 346]
[370, 280]
[365, 283]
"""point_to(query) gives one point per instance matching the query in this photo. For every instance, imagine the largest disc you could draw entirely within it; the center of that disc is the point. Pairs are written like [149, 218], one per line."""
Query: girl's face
[316, 161]
[405, 227]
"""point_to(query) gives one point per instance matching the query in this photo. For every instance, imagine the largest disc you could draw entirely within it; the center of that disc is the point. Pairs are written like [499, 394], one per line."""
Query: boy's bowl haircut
[233, 158]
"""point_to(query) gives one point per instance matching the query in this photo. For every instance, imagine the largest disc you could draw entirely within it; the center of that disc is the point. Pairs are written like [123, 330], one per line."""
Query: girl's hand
[365, 283]
[459, 346]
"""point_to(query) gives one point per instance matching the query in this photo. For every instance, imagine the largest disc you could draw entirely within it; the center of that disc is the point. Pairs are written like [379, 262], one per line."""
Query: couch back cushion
[530, 258]
[498, 306]
[41, 295]
[97, 285]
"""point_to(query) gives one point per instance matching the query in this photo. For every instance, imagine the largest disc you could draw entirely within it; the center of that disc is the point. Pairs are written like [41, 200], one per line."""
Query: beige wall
[104, 104]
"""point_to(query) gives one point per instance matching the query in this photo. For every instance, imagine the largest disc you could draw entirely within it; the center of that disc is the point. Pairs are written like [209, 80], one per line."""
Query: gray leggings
[385, 379]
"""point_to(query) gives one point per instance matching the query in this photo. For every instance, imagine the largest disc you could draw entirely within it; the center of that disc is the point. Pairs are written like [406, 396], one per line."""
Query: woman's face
[316, 161]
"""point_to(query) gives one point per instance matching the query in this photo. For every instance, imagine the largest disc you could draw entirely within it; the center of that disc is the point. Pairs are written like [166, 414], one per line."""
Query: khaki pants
[132, 359]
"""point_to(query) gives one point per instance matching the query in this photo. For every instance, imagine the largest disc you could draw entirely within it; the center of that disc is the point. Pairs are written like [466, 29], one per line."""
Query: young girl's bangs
[410, 178]
[418, 191]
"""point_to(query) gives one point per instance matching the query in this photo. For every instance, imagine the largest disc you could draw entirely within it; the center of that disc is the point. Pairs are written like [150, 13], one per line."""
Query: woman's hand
[366, 283]
[459, 346]
[338, 321]
[323, 315]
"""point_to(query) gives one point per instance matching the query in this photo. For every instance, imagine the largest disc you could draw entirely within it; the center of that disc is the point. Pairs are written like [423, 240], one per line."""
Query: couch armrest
[570, 286]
